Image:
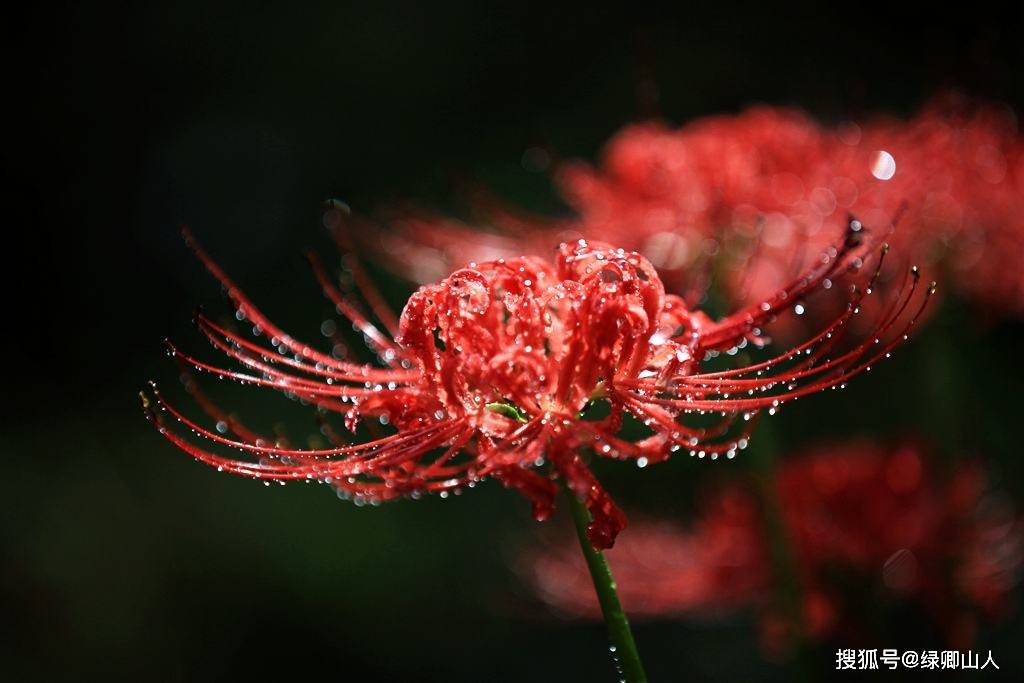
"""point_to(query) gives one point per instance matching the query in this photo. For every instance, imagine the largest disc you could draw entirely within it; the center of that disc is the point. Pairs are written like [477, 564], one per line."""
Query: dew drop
[883, 166]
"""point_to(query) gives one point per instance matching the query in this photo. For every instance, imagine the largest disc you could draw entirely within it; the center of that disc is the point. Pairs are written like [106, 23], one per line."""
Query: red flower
[663, 569]
[853, 510]
[751, 199]
[503, 369]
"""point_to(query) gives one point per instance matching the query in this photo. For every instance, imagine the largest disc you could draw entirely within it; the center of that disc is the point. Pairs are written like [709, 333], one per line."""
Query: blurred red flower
[517, 369]
[750, 199]
[856, 515]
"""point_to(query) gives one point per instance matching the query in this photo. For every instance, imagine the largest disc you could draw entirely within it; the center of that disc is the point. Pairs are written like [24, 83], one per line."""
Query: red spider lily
[496, 371]
[663, 569]
[852, 510]
[751, 199]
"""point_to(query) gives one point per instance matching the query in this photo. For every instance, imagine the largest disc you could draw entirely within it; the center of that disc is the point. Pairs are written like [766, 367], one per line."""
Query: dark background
[123, 557]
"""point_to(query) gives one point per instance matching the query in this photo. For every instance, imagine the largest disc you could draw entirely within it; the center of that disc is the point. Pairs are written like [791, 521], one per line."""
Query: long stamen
[390, 352]
[249, 311]
[350, 372]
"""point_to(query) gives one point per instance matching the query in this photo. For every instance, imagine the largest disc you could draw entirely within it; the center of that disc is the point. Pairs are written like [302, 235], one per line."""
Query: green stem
[623, 648]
